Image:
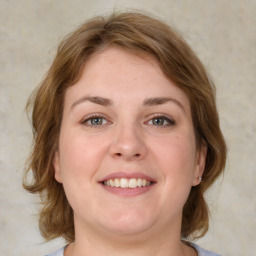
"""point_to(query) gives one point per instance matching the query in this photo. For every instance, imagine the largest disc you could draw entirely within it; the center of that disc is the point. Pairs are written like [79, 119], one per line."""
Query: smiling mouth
[127, 183]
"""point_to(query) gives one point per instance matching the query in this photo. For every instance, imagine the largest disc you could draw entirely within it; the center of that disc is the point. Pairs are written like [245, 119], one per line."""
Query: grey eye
[96, 121]
[161, 121]
[158, 121]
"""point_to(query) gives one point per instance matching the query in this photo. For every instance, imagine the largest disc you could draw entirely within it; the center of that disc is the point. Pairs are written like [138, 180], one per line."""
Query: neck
[150, 243]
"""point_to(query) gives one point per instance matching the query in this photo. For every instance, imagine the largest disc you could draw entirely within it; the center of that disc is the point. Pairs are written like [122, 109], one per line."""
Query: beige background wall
[222, 32]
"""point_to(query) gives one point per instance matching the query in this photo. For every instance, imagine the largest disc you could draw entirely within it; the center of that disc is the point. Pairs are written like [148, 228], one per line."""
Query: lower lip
[128, 192]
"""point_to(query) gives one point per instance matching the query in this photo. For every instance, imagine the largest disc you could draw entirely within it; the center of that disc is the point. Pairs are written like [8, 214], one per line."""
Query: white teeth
[116, 183]
[111, 183]
[124, 183]
[132, 183]
[127, 183]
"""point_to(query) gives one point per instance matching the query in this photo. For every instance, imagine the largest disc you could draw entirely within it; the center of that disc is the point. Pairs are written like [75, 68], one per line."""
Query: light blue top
[200, 251]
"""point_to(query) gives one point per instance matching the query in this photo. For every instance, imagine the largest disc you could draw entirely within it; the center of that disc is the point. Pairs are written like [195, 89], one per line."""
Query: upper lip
[127, 175]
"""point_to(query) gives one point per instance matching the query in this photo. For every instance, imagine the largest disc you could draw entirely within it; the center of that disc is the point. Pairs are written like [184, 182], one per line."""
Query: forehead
[117, 73]
[116, 59]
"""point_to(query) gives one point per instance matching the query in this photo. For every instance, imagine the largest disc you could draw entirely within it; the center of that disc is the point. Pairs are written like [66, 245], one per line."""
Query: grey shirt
[200, 251]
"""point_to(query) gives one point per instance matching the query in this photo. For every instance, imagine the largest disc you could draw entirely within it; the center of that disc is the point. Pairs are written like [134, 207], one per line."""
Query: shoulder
[200, 251]
[203, 252]
[59, 252]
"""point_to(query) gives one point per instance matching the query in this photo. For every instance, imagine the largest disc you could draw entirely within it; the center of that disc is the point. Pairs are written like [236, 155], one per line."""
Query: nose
[128, 144]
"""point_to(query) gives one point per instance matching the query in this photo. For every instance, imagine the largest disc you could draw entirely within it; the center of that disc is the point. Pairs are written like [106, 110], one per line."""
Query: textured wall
[223, 34]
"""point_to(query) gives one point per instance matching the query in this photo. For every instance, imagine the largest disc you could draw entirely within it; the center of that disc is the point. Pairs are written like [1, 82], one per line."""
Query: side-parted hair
[137, 33]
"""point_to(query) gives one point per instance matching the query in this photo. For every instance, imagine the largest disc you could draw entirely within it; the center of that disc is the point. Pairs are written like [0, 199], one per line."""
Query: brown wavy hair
[138, 33]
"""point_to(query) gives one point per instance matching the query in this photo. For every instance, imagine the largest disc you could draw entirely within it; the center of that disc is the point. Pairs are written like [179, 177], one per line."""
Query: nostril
[135, 155]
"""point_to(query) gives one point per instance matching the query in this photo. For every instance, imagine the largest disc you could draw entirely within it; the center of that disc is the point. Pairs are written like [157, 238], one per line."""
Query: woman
[126, 141]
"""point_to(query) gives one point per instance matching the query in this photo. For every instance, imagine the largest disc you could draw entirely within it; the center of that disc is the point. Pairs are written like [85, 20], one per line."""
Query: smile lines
[127, 183]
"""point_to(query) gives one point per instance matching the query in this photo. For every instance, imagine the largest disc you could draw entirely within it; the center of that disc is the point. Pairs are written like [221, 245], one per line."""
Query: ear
[200, 164]
[56, 166]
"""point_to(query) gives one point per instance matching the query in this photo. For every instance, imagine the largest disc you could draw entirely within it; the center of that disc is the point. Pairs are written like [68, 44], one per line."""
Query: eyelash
[170, 122]
[166, 121]
[94, 117]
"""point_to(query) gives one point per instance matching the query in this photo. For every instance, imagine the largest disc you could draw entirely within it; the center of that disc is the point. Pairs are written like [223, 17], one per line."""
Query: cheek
[176, 161]
[79, 161]
[177, 157]
[80, 155]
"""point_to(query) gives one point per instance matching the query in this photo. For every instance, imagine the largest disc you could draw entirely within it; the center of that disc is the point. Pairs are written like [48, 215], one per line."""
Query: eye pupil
[96, 121]
[158, 121]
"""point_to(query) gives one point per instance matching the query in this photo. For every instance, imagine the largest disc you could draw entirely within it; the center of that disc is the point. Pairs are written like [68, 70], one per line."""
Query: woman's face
[127, 155]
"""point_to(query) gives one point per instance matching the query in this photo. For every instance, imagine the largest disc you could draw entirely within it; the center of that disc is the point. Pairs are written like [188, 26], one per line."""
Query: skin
[133, 135]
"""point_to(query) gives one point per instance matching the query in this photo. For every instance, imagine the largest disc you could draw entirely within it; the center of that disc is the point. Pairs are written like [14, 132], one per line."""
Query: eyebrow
[160, 101]
[107, 102]
[95, 99]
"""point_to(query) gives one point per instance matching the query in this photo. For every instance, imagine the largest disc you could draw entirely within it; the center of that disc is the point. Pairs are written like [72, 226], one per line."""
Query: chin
[132, 230]
[129, 224]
